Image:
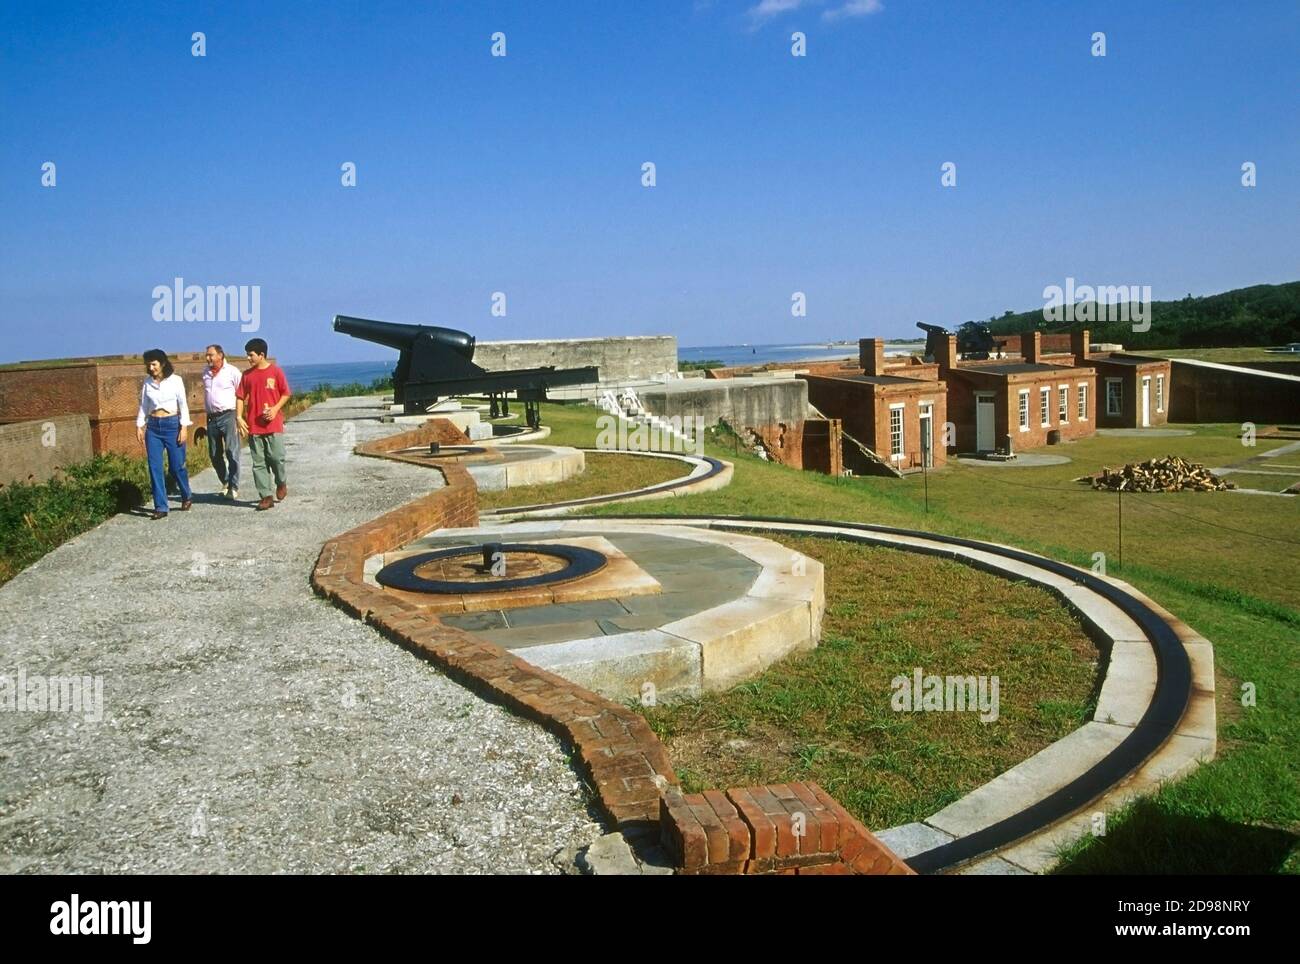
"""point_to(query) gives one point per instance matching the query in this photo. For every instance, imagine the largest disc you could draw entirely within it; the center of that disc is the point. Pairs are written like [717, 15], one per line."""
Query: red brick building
[1133, 390]
[1014, 405]
[897, 412]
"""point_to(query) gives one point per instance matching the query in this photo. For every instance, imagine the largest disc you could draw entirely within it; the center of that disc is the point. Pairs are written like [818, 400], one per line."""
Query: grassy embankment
[1227, 564]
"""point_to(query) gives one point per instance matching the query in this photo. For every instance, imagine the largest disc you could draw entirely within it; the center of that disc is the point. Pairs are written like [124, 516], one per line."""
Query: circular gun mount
[575, 562]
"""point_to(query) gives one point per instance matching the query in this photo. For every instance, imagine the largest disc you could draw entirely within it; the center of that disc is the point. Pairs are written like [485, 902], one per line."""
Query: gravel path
[247, 726]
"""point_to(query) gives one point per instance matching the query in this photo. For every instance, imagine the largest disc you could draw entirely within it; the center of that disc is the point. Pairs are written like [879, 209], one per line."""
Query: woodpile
[1170, 474]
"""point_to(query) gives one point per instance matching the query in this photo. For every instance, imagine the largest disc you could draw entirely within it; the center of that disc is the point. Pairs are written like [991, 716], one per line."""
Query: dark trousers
[160, 436]
[223, 447]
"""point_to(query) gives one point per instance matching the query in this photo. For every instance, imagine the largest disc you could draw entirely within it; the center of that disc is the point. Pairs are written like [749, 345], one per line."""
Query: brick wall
[1204, 393]
[814, 444]
[863, 409]
[794, 828]
[1130, 379]
[1038, 433]
[969, 381]
[107, 389]
[34, 451]
[1036, 436]
[439, 430]
[823, 446]
[836, 366]
[961, 412]
[783, 441]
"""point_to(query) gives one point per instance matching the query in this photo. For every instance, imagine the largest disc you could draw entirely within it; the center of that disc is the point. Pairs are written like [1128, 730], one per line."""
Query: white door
[927, 436]
[1146, 402]
[984, 440]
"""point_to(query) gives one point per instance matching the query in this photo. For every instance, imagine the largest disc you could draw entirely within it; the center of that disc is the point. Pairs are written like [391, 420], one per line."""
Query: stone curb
[700, 479]
[1127, 690]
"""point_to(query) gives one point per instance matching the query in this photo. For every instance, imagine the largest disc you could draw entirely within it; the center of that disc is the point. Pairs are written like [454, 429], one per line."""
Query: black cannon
[438, 363]
[974, 340]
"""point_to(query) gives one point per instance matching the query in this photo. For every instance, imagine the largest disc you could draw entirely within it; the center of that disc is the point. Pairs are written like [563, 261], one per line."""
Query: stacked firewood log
[1170, 474]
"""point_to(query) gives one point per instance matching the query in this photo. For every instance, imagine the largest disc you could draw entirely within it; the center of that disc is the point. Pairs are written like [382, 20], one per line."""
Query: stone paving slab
[624, 664]
[522, 637]
[1023, 460]
[909, 839]
[1130, 684]
[1012, 569]
[1103, 620]
[742, 638]
[564, 613]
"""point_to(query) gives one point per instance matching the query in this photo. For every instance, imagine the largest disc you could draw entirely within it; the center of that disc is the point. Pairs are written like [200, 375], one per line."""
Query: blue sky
[522, 174]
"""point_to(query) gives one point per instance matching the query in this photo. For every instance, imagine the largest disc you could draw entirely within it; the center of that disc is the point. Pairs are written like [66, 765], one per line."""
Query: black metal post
[1120, 493]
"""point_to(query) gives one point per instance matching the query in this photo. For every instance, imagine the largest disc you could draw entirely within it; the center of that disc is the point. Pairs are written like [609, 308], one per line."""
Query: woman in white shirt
[162, 424]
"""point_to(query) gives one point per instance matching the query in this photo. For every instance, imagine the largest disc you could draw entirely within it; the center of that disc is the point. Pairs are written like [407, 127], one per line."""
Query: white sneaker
[233, 494]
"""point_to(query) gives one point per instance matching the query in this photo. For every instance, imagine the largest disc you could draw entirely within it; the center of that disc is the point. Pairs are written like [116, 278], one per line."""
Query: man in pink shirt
[220, 383]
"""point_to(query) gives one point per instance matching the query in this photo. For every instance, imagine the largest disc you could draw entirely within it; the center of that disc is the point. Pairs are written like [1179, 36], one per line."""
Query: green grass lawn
[1225, 356]
[826, 715]
[1225, 563]
[1268, 483]
[603, 475]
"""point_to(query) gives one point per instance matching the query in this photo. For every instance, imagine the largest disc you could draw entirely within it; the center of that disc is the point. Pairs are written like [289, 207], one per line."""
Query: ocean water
[761, 354]
[303, 378]
[306, 377]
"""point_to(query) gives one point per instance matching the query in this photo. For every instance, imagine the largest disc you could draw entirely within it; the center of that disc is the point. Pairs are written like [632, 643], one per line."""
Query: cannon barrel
[403, 337]
[932, 329]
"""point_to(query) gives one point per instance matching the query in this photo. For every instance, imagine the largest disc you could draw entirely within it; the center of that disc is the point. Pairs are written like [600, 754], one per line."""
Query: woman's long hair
[160, 356]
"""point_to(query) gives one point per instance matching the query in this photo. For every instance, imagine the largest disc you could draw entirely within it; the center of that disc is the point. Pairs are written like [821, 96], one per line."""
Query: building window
[1114, 396]
[1160, 393]
[1045, 404]
[1083, 401]
[896, 432]
[1063, 408]
[1024, 410]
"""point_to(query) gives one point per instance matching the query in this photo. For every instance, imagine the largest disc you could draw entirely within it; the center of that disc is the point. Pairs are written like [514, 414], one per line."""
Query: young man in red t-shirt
[262, 392]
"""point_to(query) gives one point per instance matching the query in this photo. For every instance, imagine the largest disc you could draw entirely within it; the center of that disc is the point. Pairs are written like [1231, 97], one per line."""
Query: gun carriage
[438, 363]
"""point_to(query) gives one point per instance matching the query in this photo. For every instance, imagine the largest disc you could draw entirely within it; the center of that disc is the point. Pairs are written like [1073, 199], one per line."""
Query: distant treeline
[1263, 315]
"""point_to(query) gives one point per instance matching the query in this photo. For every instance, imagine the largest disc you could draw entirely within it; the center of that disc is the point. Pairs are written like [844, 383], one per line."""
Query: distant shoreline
[305, 377]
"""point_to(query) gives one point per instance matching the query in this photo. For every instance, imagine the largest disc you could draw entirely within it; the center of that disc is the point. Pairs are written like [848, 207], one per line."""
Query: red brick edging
[779, 829]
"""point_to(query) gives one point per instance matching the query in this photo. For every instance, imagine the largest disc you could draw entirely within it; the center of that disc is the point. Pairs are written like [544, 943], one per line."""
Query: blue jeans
[223, 448]
[159, 435]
